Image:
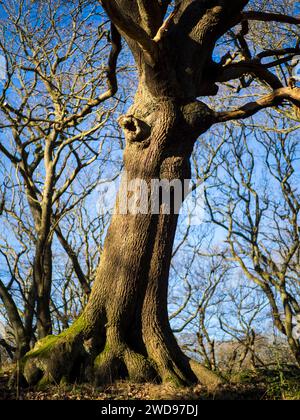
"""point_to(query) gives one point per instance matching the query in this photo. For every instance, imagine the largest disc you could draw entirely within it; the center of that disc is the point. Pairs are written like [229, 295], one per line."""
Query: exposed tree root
[89, 352]
[205, 376]
[112, 365]
[57, 359]
[140, 369]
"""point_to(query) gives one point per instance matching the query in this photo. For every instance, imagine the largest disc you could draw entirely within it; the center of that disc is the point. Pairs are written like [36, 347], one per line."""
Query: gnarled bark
[124, 330]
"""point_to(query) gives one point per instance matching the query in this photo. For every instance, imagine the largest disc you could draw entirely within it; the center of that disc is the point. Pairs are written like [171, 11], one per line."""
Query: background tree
[51, 119]
[261, 216]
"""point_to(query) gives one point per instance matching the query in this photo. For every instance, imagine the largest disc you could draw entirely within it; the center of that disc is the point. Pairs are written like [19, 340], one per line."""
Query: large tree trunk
[42, 277]
[124, 330]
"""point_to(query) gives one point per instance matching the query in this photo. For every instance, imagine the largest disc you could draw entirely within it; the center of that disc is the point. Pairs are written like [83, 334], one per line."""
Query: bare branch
[271, 100]
[238, 70]
[270, 17]
[116, 46]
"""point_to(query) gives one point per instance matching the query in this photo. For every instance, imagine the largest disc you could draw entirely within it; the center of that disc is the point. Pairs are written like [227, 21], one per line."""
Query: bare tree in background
[242, 318]
[259, 207]
[86, 235]
[51, 117]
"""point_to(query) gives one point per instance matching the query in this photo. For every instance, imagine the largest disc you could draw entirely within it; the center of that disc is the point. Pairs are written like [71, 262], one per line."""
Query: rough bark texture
[124, 330]
[42, 273]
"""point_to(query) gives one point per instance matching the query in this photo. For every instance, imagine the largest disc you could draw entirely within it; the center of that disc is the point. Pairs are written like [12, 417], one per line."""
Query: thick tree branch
[197, 27]
[278, 53]
[255, 67]
[250, 109]
[238, 70]
[151, 13]
[130, 28]
[270, 17]
[146, 13]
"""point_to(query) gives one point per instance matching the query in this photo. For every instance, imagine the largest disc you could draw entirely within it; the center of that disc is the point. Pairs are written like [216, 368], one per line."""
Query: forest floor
[274, 385]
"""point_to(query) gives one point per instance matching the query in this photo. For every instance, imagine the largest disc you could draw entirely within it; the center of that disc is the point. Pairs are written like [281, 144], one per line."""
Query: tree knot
[198, 116]
[135, 130]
